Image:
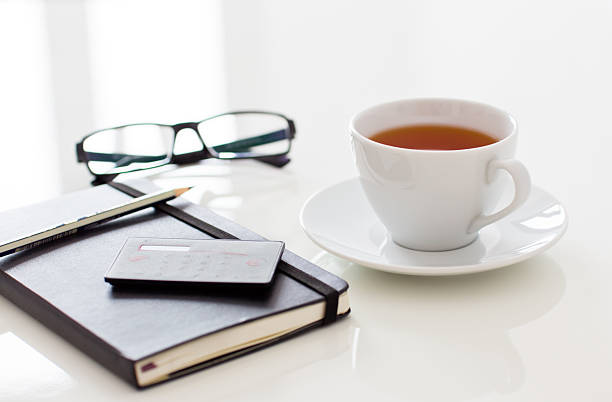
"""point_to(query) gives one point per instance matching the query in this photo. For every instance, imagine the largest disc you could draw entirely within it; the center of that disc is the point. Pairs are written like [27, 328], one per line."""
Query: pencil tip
[180, 191]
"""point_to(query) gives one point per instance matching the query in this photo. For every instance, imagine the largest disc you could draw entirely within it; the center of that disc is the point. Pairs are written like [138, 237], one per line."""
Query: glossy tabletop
[540, 330]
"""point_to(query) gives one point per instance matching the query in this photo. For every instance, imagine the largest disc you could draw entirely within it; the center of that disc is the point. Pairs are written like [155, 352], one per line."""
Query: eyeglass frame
[278, 160]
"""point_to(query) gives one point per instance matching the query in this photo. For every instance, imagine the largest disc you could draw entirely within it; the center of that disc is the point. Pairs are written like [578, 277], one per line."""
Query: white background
[537, 331]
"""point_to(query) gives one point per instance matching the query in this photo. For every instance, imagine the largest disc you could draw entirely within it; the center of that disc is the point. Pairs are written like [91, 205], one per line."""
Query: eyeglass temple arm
[122, 159]
[240, 145]
[277, 161]
[103, 179]
[119, 158]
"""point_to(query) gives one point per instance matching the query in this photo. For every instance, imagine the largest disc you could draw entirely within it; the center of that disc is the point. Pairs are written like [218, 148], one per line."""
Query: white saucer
[340, 220]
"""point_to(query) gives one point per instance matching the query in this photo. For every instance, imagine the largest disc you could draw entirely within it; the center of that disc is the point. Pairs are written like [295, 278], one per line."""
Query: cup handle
[522, 187]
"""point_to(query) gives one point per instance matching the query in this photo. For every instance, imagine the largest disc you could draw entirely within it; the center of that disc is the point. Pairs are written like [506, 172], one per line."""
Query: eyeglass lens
[129, 148]
[245, 135]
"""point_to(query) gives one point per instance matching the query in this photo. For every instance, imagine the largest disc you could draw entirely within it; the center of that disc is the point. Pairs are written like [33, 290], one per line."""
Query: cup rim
[359, 135]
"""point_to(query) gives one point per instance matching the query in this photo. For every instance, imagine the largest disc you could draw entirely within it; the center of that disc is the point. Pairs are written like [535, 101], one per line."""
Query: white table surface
[537, 331]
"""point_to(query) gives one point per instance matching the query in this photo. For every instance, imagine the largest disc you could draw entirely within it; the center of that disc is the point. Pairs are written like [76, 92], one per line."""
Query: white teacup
[435, 200]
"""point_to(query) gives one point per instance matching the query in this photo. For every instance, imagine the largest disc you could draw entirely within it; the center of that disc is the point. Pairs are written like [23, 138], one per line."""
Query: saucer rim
[420, 270]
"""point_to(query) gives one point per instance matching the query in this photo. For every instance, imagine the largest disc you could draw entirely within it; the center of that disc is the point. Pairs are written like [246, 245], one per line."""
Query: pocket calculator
[189, 262]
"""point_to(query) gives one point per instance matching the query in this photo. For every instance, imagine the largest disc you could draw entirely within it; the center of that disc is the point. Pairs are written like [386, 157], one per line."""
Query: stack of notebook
[148, 336]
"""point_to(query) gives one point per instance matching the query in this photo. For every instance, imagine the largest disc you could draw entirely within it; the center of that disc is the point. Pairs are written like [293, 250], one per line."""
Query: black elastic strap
[331, 295]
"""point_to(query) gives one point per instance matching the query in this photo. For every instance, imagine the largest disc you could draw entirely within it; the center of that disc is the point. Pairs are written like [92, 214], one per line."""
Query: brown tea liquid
[433, 137]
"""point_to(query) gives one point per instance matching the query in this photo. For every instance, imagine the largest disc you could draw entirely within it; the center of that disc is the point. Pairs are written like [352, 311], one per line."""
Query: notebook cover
[62, 283]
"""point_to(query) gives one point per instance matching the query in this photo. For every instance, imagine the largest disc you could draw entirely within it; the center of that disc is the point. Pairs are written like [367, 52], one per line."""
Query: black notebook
[147, 336]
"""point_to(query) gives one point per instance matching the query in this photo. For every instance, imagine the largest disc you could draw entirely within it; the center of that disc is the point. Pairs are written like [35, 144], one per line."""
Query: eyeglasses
[263, 136]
